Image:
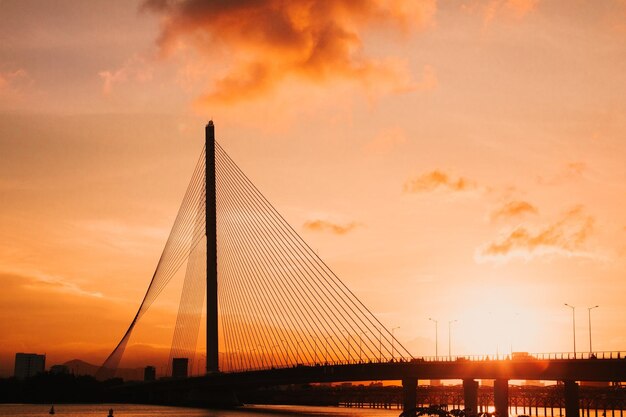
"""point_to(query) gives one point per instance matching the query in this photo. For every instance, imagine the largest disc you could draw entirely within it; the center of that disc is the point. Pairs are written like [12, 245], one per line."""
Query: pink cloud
[491, 10]
[135, 69]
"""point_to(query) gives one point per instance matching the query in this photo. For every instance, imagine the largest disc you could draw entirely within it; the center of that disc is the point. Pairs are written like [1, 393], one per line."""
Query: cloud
[257, 44]
[437, 180]
[568, 172]
[134, 69]
[326, 226]
[514, 209]
[39, 281]
[567, 237]
[490, 10]
[13, 81]
[385, 141]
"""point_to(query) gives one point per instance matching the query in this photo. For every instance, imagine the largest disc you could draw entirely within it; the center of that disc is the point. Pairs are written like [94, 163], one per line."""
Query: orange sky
[461, 160]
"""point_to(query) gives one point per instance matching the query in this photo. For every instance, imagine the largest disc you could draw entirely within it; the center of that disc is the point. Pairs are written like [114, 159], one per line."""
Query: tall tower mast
[212, 356]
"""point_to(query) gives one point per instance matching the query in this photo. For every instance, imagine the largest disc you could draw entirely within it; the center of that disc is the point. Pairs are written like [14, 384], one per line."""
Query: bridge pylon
[212, 355]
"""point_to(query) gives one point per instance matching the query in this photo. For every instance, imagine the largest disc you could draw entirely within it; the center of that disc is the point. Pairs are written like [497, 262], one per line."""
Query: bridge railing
[527, 356]
[521, 356]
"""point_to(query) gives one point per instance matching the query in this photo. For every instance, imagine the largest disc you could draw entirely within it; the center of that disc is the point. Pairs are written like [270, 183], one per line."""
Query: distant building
[59, 369]
[595, 384]
[533, 383]
[29, 364]
[486, 382]
[179, 367]
[149, 373]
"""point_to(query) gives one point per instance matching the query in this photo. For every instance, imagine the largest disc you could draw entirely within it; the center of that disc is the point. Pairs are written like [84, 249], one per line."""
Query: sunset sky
[461, 160]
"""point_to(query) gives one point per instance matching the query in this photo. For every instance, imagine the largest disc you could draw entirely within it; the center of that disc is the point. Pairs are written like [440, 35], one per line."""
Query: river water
[127, 410]
[132, 410]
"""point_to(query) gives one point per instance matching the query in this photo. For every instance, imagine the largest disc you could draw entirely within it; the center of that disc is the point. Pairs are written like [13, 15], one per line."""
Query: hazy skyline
[456, 160]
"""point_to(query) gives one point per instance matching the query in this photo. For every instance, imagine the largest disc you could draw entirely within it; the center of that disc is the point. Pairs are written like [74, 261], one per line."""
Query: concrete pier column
[501, 397]
[470, 396]
[572, 402]
[409, 389]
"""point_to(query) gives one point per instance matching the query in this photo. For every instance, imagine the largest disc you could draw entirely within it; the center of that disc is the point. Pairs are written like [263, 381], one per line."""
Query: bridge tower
[212, 364]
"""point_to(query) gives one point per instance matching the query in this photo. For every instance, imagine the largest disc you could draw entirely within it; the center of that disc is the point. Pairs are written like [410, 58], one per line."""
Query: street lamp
[360, 344]
[436, 337]
[326, 351]
[573, 325]
[349, 340]
[450, 338]
[589, 311]
[261, 351]
[392, 338]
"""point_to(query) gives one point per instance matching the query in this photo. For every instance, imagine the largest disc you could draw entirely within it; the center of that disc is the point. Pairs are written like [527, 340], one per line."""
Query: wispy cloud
[12, 81]
[270, 41]
[326, 226]
[39, 281]
[568, 172]
[385, 141]
[491, 10]
[437, 180]
[513, 209]
[567, 236]
[135, 69]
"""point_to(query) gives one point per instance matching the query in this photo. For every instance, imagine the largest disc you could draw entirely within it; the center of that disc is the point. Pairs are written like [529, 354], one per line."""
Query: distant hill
[79, 367]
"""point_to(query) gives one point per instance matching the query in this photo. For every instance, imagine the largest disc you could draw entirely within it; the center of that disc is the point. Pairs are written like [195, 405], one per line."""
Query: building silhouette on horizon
[149, 373]
[179, 367]
[29, 364]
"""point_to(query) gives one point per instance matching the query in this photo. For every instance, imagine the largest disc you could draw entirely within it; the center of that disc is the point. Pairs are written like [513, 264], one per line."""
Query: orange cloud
[265, 42]
[514, 209]
[437, 179]
[325, 226]
[566, 236]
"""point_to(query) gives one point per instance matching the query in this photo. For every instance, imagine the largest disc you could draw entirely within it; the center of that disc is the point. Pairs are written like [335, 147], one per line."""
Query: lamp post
[360, 344]
[326, 349]
[380, 344]
[436, 337]
[282, 341]
[450, 338]
[392, 339]
[349, 340]
[573, 325]
[589, 311]
[261, 351]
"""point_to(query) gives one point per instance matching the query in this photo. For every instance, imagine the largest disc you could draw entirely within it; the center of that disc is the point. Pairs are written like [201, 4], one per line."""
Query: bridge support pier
[409, 389]
[572, 402]
[501, 397]
[470, 396]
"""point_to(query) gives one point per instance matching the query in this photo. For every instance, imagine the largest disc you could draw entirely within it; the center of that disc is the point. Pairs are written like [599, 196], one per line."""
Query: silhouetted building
[179, 367]
[149, 373]
[29, 364]
[59, 369]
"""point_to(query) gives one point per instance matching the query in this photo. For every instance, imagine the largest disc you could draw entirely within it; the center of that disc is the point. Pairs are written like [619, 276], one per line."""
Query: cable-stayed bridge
[277, 314]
